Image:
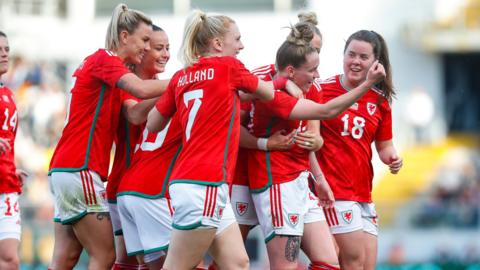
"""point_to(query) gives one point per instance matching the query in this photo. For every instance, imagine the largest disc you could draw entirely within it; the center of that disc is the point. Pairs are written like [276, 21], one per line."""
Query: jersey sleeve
[384, 131]
[109, 68]
[241, 76]
[166, 103]
[281, 105]
[124, 95]
[314, 93]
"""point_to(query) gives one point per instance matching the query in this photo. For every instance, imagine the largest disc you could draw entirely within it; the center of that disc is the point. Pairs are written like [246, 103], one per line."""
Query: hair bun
[301, 34]
[308, 17]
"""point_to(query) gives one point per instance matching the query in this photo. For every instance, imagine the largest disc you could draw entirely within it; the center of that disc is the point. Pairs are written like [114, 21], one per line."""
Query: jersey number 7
[196, 95]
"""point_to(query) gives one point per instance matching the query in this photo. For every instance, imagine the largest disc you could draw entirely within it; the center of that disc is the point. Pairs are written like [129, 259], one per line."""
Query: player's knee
[9, 262]
[352, 260]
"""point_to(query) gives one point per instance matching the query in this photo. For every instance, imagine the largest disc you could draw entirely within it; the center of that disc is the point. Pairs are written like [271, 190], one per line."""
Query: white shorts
[115, 218]
[56, 215]
[314, 211]
[201, 206]
[349, 216]
[146, 223]
[242, 202]
[77, 194]
[282, 208]
[10, 221]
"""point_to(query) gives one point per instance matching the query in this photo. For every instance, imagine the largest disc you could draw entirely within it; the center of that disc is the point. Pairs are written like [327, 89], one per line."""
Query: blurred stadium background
[430, 212]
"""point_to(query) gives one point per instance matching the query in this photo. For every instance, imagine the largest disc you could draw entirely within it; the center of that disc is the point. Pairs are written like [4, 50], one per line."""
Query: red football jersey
[9, 181]
[206, 100]
[152, 162]
[92, 118]
[125, 140]
[275, 167]
[241, 168]
[346, 155]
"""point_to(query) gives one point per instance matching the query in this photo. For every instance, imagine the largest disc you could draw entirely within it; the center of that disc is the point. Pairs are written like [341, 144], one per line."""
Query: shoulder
[329, 81]
[265, 71]
[380, 96]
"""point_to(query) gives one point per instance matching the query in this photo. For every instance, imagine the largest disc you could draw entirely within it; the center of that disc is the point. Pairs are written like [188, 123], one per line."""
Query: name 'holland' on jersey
[199, 75]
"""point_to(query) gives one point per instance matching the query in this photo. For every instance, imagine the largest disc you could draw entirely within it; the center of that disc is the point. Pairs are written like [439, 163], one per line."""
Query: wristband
[262, 144]
[280, 83]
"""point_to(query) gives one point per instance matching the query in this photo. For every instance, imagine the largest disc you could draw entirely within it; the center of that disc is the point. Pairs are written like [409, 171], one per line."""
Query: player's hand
[279, 141]
[22, 176]
[4, 146]
[324, 192]
[293, 90]
[376, 73]
[309, 140]
[395, 164]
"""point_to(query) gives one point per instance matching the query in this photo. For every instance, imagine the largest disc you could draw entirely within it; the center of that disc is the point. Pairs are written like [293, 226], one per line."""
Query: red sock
[322, 266]
[124, 266]
[212, 266]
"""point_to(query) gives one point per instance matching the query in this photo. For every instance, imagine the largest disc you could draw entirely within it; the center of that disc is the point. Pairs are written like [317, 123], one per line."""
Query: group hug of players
[205, 156]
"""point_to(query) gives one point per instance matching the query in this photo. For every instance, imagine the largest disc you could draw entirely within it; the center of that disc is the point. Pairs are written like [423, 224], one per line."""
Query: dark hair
[380, 52]
[2, 34]
[294, 50]
[156, 28]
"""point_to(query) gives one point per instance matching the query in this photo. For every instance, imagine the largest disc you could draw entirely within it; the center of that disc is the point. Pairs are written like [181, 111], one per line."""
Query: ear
[123, 36]
[290, 70]
[217, 44]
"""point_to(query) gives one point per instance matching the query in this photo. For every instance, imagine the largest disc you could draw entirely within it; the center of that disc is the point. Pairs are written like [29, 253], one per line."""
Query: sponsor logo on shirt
[293, 219]
[371, 108]
[347, 216]
[242, 208]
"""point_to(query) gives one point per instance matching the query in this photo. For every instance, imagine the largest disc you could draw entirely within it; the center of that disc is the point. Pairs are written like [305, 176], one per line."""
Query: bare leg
[9, 254]
[228, 249]
[352, 250]
[121, 252]
[371, 246]
[94, 231]
[318, 244]
[283, 252]
[187, 248]
[66, 249]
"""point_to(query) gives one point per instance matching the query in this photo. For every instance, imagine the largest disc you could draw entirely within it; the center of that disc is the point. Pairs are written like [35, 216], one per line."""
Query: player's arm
[307, 109]
[156, 122]
[137, 111]
[389, 156]
[142, 89]
[278, 141]
[322, 188]
[266, 90]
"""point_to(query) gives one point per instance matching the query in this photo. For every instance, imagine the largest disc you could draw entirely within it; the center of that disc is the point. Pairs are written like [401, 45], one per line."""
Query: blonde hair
[199, 30]
[123, 19]
[311, 18]
[296, 47]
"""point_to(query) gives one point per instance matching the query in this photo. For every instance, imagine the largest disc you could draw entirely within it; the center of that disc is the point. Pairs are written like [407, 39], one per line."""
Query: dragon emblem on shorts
[347, 216]
[242, 208]
[293, 219]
